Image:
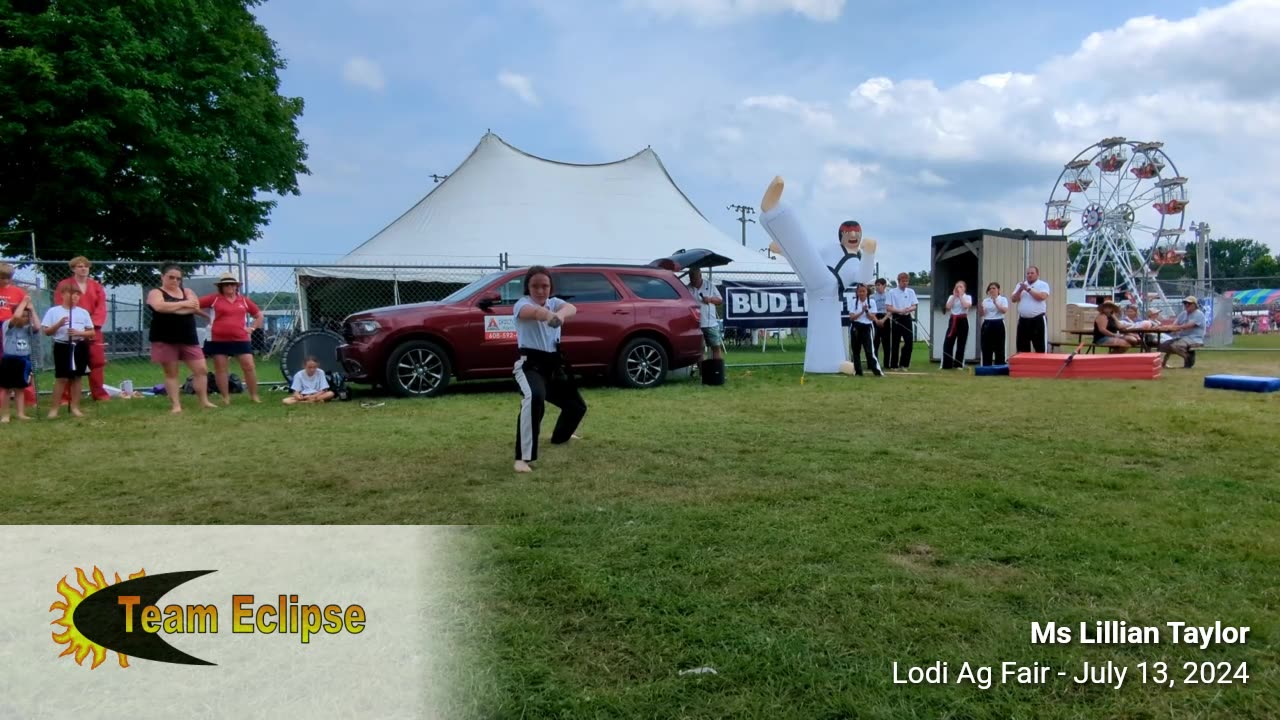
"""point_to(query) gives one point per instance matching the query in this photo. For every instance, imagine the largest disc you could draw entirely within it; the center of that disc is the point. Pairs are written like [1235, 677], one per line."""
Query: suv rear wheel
[642, 363]
[419, 368]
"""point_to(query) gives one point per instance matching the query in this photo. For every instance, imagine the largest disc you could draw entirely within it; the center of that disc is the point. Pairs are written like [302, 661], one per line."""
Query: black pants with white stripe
[861, 343]
[542, 379]
[1031, 333]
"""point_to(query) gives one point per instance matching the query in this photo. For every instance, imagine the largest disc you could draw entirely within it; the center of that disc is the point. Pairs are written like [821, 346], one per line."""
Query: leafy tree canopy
[141, 129]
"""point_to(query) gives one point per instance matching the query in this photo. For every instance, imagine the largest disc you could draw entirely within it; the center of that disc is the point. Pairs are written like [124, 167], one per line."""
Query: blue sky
[900, 114]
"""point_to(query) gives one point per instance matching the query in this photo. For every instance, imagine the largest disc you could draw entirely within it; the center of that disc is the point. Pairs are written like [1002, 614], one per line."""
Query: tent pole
[395, 287]
[302, 302]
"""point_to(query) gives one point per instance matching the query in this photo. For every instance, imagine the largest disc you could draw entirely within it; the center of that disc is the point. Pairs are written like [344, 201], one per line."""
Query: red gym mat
[1124, 366]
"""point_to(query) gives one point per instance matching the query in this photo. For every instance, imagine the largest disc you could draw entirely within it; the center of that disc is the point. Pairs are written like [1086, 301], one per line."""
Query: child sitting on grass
[309, 385]
[15, 364]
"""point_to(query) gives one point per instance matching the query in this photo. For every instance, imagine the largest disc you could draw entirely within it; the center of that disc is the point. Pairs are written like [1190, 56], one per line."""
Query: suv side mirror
[488, 300]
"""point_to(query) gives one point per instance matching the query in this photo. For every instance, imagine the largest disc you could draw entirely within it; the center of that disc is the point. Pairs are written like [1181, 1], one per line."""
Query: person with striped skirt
[540, 372]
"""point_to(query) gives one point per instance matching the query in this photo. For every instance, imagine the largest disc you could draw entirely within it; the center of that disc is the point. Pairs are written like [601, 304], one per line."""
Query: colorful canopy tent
[1254, 297]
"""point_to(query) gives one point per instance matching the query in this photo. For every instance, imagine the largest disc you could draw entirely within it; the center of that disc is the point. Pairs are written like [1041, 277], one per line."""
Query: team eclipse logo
[125, 617]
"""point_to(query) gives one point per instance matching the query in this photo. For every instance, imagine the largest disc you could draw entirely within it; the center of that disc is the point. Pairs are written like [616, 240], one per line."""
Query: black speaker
[712, 372]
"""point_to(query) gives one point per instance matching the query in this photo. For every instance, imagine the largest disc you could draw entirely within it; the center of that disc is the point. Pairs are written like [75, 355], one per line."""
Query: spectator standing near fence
[19, 337]
[10, 297]
[173, 336]
[228, 336]
[71, 328]
[708, 299]
[93, 300]
[902, 306]
[1032, 297]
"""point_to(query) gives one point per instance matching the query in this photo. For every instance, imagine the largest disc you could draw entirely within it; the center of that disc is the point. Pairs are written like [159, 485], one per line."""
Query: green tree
[141, 129]
[1231, 258]
[274, 300]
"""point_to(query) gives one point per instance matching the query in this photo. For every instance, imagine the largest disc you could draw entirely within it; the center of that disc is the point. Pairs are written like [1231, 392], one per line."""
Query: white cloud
[724, 11]
[521, 85]
[365, 73]
[812, 114]
[929, 178]
[986, 151]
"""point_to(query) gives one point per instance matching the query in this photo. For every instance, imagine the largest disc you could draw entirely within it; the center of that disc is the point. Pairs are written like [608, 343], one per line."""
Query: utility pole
[744, 210]
[1201, 229]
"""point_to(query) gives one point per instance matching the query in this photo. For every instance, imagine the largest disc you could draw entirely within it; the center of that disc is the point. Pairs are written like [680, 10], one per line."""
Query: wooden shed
[979, 257]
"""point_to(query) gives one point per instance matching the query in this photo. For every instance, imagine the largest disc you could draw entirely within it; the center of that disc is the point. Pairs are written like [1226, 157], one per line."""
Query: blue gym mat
[1247, 383]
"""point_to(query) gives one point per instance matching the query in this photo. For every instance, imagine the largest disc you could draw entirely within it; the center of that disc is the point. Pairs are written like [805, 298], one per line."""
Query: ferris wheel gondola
[1123, 201]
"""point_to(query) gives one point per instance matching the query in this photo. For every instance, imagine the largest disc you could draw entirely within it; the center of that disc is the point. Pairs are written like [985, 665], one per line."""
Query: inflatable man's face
[851, 236]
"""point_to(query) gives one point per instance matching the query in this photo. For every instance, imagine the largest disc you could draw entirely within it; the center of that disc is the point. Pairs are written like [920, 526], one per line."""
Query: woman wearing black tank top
[173, 336]
[1106, 329]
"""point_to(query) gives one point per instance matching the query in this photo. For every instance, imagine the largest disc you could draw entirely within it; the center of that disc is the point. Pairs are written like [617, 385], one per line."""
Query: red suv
[634, 322]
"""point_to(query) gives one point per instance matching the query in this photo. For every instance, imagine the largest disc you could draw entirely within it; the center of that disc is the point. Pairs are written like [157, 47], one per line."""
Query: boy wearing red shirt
[93, 299]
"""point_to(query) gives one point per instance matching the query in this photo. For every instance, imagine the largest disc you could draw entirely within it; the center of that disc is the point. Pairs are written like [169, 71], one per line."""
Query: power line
[744, 211]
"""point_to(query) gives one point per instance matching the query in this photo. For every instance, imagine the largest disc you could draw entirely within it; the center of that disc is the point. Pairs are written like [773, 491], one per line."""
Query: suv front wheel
[642, 363]
[418, 369]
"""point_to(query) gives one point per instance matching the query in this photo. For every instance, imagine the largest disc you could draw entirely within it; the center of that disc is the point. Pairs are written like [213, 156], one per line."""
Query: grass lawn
[798, 538]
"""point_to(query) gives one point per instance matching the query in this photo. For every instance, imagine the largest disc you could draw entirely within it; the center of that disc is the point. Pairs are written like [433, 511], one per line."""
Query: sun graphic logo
[76, 642]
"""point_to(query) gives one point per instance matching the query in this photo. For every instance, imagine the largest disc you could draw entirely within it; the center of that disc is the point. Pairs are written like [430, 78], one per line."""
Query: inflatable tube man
[826, 270]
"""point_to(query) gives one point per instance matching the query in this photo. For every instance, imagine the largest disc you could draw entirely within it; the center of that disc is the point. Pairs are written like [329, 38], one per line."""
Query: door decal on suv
[500, 327]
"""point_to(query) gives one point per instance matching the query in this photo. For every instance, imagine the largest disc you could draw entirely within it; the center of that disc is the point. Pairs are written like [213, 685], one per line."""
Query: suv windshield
[471, 289]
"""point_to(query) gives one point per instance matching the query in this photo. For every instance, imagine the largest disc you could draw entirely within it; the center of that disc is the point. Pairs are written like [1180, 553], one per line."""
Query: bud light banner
[764, 304]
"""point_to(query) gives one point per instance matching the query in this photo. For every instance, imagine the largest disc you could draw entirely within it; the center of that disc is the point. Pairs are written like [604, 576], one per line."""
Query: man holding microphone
[1032, 297]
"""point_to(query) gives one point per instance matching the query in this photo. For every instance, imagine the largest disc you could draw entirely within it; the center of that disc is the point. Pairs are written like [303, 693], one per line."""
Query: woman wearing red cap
[228, 336]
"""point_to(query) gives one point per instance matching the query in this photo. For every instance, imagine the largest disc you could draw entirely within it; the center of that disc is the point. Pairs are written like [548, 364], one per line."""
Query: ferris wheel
[1124, 202]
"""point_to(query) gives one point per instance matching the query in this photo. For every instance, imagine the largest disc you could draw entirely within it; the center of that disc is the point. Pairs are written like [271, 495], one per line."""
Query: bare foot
[772, 195]
[226, 401]
[257, 399]
[208, 405]
[176, 409]
[522, 466]
[76, 413]
[4, 419]
[24, 417]
[53, 414]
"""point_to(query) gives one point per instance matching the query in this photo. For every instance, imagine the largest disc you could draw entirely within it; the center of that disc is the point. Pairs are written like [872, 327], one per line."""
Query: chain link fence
[293, 300]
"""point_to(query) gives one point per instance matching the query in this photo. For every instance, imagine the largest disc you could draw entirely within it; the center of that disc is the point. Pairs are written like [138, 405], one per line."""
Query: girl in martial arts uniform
[540, 371]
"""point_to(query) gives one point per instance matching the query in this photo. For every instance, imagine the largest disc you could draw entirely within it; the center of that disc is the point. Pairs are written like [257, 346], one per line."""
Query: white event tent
[502, 202]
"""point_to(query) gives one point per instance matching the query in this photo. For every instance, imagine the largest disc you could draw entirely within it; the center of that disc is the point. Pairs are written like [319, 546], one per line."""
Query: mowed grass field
[799, 538]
